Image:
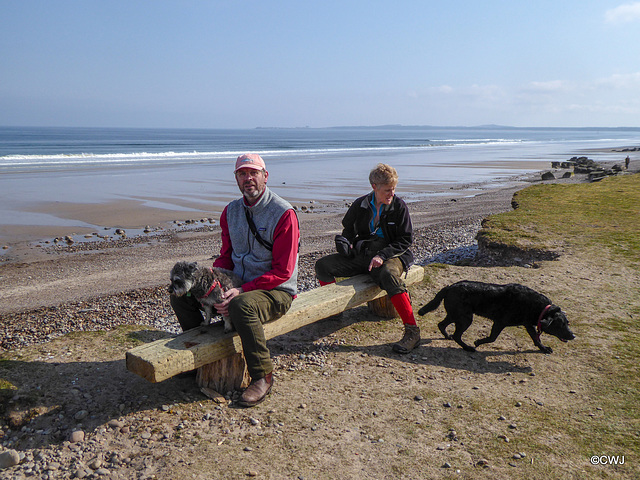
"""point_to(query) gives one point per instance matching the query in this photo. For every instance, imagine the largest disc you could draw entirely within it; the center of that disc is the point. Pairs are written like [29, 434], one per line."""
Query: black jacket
[394, 222]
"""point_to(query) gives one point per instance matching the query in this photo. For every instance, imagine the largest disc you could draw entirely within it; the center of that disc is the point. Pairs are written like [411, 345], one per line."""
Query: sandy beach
[39, 279]
[44, 286]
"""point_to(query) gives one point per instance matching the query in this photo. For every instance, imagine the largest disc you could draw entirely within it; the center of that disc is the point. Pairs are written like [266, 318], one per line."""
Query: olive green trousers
[248, 311]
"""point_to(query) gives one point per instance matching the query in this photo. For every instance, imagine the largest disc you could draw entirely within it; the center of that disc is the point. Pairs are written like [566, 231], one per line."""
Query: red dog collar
[212, 288]
[539, 326]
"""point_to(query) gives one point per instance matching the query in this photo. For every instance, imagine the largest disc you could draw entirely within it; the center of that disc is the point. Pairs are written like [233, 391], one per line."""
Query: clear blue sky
[242, 64]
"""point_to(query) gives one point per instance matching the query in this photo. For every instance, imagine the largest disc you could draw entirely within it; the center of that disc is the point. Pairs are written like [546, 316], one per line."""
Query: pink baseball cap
[250, 160]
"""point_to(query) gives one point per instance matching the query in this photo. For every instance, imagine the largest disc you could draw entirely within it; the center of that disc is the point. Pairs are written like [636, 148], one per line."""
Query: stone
[9, 458]
[548, 176]
[76, 436]
[81, 415]
[116, 423]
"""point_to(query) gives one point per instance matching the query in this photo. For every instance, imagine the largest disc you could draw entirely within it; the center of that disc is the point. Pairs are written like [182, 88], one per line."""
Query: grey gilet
[250, 259]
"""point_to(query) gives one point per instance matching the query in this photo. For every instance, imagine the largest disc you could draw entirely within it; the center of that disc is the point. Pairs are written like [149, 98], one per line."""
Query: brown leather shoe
[257, 391]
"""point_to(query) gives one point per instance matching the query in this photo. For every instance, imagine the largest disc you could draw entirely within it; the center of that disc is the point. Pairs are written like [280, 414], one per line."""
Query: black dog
[507, 305]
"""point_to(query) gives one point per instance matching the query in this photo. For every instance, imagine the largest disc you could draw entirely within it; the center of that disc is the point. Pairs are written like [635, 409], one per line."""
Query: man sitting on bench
[260, 237]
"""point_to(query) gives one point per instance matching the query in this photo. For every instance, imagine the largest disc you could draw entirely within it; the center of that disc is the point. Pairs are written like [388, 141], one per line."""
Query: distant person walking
[626, 162]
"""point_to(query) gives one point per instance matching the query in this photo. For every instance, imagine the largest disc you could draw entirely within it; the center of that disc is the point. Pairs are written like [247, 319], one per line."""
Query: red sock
[322, 284]
[402, 303]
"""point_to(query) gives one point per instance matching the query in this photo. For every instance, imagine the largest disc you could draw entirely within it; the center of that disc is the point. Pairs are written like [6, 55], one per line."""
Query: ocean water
[192, 170]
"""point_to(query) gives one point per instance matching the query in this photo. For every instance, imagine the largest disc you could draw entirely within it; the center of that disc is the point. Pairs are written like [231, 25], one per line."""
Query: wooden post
[382, 307]
[225, 375]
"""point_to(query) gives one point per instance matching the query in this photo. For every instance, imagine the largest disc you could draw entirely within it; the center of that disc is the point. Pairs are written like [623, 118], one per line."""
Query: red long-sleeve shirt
[285, 252]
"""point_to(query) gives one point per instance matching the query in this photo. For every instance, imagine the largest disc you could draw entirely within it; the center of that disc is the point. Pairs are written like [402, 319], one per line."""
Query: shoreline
[99, 221]
[125, 282]
[50, 292]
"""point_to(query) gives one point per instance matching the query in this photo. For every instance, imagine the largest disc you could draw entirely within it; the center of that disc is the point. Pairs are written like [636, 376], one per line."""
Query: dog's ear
[193, 266]
[546, 322]
[554, 309]
[551, 316]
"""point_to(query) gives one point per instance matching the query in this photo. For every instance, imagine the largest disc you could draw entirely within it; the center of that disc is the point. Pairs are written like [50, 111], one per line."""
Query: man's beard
[252, 194]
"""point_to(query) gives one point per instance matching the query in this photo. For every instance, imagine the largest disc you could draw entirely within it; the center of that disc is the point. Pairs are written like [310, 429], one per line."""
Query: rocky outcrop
[585, 166]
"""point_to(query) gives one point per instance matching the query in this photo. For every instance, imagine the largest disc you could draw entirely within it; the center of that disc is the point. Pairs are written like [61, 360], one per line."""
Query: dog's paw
[546, 350]
[469, 348]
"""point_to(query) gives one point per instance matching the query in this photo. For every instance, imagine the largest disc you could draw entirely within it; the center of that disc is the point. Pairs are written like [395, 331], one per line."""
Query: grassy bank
[584, 217]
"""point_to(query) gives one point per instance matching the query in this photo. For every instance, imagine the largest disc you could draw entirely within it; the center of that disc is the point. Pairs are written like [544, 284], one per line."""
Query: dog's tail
[433, 304]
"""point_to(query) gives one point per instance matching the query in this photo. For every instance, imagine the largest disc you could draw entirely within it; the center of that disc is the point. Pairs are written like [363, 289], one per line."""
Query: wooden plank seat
[207, 346]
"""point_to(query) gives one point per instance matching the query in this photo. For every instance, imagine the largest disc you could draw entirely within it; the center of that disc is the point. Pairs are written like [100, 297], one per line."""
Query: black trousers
[387, 277]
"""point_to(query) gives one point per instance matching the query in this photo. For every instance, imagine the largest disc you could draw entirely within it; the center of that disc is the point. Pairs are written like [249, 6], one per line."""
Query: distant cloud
[546, 87]
[619, 81]
[444, 89]
[626, 13]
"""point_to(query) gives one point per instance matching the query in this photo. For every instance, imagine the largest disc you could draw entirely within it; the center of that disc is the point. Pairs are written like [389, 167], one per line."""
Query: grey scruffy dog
[206, 284]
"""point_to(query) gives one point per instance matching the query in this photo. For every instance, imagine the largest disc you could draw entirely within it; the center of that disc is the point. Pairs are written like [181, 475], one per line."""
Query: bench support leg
[225, 375]
[382, 307]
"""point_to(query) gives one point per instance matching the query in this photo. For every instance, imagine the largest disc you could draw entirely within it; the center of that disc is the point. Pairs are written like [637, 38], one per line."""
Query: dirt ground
[344, 405]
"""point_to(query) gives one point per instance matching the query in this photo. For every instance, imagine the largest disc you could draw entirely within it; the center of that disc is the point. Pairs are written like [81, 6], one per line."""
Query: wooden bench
[217, 355]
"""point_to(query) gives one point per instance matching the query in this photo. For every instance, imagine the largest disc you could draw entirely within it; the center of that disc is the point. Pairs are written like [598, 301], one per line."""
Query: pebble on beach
[9, 458]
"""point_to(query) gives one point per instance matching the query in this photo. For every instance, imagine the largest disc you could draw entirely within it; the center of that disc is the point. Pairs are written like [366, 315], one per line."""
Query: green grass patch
[582, 216]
